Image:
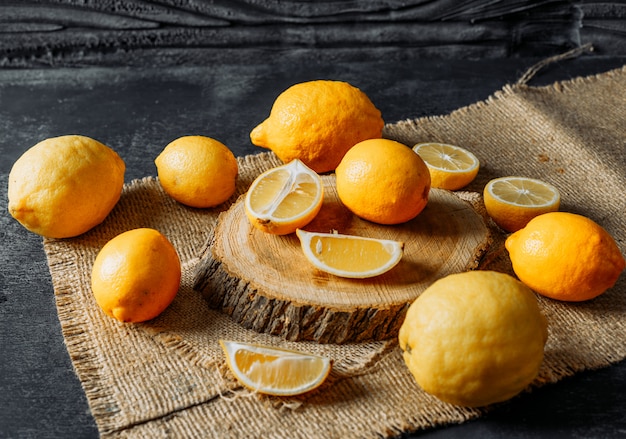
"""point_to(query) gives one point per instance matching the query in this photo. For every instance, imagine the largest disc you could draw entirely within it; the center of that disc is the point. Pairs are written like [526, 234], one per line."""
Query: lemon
[275, 371]
[197, 171]
[348, 255]
[136, 275]
[565, 256]
[383, 181]
[451, 167]
[64, 186]
[284, 198]
[317, 122]
[513, 201]
[474, 338]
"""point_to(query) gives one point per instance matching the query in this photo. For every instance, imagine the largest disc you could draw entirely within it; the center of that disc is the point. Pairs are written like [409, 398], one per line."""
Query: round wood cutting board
[265, 282]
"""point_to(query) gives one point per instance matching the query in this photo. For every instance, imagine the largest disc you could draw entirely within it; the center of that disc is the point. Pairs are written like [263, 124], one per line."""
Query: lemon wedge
[275, 371]
[284, 198]
[348, 255]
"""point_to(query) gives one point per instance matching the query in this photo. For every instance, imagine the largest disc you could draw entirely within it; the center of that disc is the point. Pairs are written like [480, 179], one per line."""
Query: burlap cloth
[166, 377]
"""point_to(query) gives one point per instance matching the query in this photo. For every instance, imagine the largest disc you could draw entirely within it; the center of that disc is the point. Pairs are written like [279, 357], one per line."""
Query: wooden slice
[266, 284]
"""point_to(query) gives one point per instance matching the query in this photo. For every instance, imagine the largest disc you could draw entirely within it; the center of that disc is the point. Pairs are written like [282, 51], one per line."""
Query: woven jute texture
[167, 377]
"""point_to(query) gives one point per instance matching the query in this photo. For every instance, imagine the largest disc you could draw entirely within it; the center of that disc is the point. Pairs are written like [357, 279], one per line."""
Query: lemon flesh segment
[521, 191]
[284, 198]
[275, 371]
[451, 167]
[348, 255]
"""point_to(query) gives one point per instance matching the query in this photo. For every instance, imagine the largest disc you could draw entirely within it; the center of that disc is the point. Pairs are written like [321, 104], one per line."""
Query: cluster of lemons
[64, 186]
[471, 339]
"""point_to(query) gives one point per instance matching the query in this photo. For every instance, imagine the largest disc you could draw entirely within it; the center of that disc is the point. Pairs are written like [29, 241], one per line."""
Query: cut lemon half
[513, 201]
[348, 255]
[284, 198]
[451, 167]
[275, 371]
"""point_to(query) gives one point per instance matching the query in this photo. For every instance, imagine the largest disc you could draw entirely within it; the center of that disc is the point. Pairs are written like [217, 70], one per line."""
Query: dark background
[55, 33]
[137, 74]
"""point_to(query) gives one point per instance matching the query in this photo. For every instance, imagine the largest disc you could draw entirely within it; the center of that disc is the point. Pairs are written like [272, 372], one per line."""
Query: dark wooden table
[138, 101]
[137, 112]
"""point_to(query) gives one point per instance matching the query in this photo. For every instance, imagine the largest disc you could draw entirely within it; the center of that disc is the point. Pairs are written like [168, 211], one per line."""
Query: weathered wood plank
[266, 284]
[71, 32]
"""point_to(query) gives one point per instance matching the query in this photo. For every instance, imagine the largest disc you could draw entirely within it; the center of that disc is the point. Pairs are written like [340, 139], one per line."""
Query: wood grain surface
[266, 283]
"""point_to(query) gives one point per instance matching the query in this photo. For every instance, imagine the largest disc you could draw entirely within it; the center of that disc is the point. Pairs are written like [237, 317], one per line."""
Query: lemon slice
[350, 256]
[451, 167]
[284, 198]
[513, 201]
[275, 371]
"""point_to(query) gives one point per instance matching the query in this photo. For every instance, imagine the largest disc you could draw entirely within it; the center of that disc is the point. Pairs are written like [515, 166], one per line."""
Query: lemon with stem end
[474, 338]
[317, 122]
[64, 186]
[565, 256]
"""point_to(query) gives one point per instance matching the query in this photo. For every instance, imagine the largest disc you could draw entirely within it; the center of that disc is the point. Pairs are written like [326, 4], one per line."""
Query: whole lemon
[197, 171]
[136, 275]
[474, 338]
[64, 186]
[565, 256]
[383, 181]
[317, 122]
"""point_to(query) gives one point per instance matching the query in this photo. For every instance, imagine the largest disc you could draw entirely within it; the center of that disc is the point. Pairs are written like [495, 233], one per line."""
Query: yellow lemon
[513, 201]
[565, 256]
[197, 171]
[317, 122]
[474, 338]
[136, 275]
[451, 167]
[383, 181]
[64, 186]
[284, 198]
[348, 255]
[275, 371]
